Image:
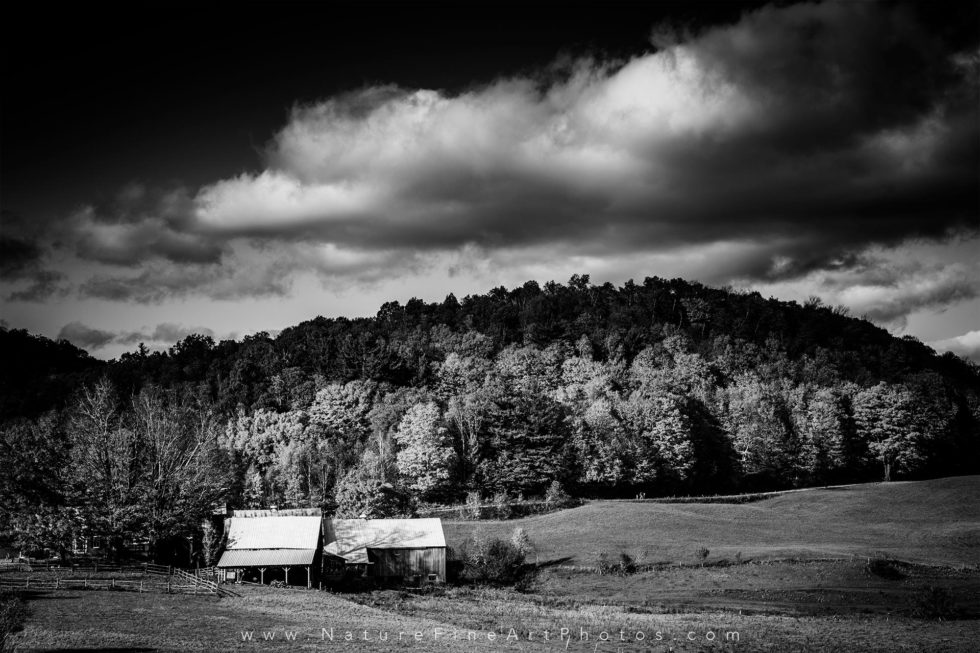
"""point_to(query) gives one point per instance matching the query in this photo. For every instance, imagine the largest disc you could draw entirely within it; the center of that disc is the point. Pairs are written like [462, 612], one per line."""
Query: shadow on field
[41, 595]
[128, 648]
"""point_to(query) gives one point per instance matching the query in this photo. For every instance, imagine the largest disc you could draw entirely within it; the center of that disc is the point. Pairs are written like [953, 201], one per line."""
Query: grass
[872, 602]
[119, 620]
[927, 521]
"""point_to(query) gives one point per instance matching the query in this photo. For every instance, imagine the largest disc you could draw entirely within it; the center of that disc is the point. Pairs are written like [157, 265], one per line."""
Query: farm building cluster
[302, 547]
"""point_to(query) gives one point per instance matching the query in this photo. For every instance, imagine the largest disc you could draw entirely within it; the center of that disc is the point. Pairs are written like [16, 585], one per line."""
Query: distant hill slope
[934, 521]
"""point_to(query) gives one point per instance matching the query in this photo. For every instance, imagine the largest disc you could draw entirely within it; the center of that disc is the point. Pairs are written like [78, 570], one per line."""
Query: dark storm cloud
[824, 128]
[796, 138]
[22, 262]
[17, 256]
[140, 223]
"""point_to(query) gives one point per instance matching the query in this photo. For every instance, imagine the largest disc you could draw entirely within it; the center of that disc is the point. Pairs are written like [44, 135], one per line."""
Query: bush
[473, 501]
[556, 494]
[502, 504]
[627, 565]
[492, 561]
[603, 565]
[702, 554]
[522, 541]
[12, 615]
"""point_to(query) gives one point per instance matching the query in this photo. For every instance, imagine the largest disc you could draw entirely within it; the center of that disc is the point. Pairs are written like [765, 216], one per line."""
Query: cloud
[85, 336]
[966, 345]
[167, 332]
[890, 300]
[159, 337]
[787, 145]
[23, 262]
[140, 224]
[819, 128]
[887, 285]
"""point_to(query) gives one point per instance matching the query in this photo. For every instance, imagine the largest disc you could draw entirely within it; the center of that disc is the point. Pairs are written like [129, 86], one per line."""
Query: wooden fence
[156, 578]
[168, 587]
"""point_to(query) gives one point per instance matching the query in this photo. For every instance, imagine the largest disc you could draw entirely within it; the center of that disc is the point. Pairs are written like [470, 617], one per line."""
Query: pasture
[936, 522]
[803, 582]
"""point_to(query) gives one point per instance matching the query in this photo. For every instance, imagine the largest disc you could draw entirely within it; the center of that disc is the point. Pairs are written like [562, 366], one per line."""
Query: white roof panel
[279, 532]
[350, 538]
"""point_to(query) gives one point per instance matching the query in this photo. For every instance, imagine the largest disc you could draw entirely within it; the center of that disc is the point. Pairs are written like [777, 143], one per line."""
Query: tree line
[667, 387]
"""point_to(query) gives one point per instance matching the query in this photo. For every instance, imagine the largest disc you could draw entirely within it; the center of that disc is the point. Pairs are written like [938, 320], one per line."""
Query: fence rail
[111, 584]
[155, 578]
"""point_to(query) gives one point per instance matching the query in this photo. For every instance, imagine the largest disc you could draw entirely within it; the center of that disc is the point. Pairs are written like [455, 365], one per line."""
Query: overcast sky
[173, 169]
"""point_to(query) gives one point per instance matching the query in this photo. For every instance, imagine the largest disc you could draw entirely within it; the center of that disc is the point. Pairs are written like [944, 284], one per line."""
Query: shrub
[603, 565]
[492, 561]
[12, 615]
[627, 565]
[933, 602]
[522, 541]
[473, 504]
[556, 494]
[702, 554]
[502, 504]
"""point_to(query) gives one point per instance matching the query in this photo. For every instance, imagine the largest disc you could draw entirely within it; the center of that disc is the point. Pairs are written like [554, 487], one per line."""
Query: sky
[225, 169]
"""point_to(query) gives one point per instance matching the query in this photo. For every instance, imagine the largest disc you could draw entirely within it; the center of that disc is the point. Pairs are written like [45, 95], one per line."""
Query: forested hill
[659, 387]
[37, 374]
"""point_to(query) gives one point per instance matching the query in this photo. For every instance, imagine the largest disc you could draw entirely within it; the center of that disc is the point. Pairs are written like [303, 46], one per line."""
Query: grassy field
[824, 598]
[127, 621]
[929, 521]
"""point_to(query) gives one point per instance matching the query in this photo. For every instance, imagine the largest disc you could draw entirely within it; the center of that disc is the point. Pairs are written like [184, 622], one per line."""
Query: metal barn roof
[279, 532]
[351, 538]
[266, 557]
[271, 541]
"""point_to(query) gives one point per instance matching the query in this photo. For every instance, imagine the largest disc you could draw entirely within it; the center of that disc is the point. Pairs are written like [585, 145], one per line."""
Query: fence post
[141, 586]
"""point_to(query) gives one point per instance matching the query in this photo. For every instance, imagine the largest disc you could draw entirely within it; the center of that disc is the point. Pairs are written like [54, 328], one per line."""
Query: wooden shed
[407, 550]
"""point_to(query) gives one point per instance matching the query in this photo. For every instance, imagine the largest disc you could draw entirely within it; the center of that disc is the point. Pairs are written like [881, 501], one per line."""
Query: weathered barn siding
[403, 563]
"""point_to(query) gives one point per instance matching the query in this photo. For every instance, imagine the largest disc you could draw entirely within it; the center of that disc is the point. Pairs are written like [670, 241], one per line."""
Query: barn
[392, 550]
[271, 543]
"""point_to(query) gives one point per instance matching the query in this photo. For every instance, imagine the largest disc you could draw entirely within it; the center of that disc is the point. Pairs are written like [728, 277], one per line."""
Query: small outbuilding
[404, 550]
[272, 540]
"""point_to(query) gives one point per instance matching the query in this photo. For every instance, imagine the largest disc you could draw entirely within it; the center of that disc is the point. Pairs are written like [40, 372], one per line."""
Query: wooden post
[309, 579]
[262, 575]
[287, 574]
[141, 586]
[168, 584]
